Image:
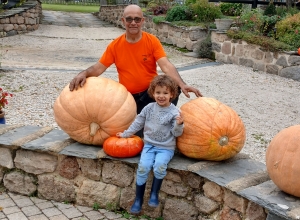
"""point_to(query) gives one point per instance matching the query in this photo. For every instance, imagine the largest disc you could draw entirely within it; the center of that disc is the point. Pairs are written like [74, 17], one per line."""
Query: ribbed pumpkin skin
[123, 147]
[212, 130]
[282, 160]
[101, 101]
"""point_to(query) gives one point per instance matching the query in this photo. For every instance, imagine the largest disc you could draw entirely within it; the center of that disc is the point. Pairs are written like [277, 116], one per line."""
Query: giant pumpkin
[96, 111]
[282, 160]
[123, 147]
[212, 130]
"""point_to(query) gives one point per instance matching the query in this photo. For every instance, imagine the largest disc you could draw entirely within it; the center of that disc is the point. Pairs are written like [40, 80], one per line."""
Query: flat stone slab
[81, 151]
[268, 195]
[54, 141]
[11, 137]
[225, 172]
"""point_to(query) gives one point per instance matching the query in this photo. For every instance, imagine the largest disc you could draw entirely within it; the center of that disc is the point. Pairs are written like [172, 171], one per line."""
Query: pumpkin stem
[223, 141]
[93, 128]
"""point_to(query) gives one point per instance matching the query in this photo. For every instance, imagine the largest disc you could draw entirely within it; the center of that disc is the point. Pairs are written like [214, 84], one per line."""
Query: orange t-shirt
[135, 62]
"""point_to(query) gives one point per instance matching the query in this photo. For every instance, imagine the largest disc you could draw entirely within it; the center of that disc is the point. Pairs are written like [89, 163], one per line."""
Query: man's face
[133, 20]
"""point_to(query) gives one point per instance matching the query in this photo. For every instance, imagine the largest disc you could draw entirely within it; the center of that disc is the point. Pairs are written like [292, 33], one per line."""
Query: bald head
[133, 9]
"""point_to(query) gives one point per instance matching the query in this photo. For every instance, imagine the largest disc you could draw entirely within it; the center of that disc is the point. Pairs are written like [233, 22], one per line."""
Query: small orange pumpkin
[96, 111]
[123, 147]
[299, 51]
[282, 160]
[212, 130]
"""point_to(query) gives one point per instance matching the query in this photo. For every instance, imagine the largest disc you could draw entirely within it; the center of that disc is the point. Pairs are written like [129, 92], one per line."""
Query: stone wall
[45, 162]
[21, 19]
[226, 50]
[241, 53]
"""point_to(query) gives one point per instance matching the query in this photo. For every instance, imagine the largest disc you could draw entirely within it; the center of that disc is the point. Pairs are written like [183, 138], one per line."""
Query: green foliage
[265, 42]
[158, 19]
[283, 11]
[205, 48]
[231, 9]
[251, 21]
[270, 9]
[96, 206]
[178, 13]
[268, 26]
[288, 30]
[205, 11]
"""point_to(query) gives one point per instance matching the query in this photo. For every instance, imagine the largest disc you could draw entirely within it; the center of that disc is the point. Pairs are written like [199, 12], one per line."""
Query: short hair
[163, 80]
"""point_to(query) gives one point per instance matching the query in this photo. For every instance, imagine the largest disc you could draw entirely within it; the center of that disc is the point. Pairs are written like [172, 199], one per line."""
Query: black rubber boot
[156, 184]
[139, 198]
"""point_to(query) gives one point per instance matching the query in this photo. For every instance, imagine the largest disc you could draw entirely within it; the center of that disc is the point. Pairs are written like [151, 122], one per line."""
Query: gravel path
[38, 65]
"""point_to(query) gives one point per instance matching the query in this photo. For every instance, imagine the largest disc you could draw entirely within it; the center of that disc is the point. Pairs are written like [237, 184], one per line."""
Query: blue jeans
[155, 157]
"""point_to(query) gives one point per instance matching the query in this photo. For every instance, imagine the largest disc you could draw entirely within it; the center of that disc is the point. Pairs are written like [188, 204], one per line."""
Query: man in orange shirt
[135, 55]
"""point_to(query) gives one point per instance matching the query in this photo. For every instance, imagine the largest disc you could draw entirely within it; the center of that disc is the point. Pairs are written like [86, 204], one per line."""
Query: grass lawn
[71, 8]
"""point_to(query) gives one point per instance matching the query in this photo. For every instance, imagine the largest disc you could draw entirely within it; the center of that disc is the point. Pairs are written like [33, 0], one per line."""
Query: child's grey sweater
[159, 123]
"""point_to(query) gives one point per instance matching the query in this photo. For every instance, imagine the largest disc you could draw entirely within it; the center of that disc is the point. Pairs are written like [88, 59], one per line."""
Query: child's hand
[179, 119]
[119, 134]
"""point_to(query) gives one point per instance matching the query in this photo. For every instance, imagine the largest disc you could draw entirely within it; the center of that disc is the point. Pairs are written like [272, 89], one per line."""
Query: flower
[3, 98]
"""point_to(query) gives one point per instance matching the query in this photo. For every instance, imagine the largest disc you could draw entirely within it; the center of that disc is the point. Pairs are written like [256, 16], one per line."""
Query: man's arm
[169, 69]
[95, 70]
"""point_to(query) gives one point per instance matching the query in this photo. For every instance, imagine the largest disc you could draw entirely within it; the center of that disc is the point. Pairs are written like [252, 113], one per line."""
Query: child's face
[162, 96]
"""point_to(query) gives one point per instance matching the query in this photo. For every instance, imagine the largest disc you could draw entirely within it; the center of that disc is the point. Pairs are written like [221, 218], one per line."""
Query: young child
[162, 123]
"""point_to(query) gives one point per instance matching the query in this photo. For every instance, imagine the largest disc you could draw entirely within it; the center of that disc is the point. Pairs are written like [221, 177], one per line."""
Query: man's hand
[186, 89]
[78, 80]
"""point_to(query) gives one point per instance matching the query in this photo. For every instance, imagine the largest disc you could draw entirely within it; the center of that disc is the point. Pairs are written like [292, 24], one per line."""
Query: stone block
[235, 202]
[246, 62]
[179, 210]
[174, 188]
[69, 168]
[226, 47]
[213, 191]
[53, 187]
[6, 158]
[294, 60]
[255, 212]
[292, 72]
[194, 181]
[268, 57]
[118, 174]
[257, 54]
[282, 61]
[90, 168]
[20, 183]
[272, 69]
[35, 162]
[205, 205]
[91, 192]
[229, 214]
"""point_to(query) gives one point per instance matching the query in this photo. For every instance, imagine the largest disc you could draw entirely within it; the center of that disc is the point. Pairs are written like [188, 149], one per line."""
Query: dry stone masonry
[45, 162]
[21, 19]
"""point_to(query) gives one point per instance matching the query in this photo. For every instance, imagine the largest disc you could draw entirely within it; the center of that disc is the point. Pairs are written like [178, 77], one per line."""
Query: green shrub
[179, 13]
[205, 11]
[268, 26]
[158, 19]
[265, 42]
[252, 21]
[205, 48]
[231, 9]
[270, 9]
[288, 30]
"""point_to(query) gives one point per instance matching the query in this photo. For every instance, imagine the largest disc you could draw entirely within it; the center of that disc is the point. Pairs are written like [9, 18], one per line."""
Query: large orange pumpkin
[212, 130]
[282, 160]
[96, 111]
[123, 147]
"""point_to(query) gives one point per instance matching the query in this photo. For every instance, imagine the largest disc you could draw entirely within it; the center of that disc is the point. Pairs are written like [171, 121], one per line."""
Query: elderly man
[135, 54]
